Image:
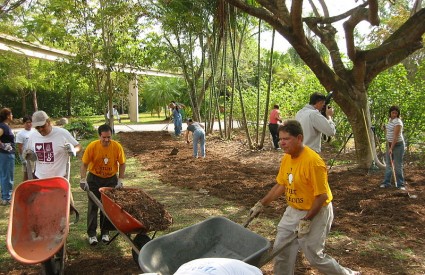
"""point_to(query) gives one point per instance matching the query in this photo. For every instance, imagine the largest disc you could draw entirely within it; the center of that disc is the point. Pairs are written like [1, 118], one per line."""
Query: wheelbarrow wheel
[56, 264]
[139, 241]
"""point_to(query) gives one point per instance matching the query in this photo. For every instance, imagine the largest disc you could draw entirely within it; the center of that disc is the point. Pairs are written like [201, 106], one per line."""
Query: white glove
[303, 228]
[70, 149]
[6, 146]
[119, 184]
[84, 185]
[29, 155]
[256, 210]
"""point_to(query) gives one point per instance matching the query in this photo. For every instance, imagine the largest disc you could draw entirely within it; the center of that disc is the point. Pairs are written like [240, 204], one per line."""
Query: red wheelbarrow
[124, 223]
[38, 224]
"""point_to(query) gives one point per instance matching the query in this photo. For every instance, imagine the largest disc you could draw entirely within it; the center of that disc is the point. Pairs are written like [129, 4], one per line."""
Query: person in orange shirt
[274, 119]
[307, 220]
[104, 159]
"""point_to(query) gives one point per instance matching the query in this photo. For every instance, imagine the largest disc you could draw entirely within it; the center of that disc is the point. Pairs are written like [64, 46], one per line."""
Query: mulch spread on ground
[232, 171]
[362, 210]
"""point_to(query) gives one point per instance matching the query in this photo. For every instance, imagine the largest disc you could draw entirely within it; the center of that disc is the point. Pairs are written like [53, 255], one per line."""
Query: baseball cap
[39, 118]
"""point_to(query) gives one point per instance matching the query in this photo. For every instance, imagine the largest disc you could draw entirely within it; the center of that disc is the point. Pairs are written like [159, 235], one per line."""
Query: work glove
[29, 154]
[6, 146]
[256, 210]
[70, 149]
[119, 184]
[303, 228]
[84, 185]
[23, 160]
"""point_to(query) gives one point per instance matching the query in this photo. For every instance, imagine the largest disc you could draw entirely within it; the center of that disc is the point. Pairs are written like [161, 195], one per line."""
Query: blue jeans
[398, 154]
[198, 136]
[178, 125]
[7, 164]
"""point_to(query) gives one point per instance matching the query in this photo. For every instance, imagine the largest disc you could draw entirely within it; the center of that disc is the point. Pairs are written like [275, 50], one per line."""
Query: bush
[81, 129]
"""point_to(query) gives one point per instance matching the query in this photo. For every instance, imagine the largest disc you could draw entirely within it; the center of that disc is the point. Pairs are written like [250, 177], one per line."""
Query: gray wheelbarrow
[216, 237]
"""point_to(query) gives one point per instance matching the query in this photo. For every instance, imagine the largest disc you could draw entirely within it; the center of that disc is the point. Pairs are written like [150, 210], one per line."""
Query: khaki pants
[312, 244]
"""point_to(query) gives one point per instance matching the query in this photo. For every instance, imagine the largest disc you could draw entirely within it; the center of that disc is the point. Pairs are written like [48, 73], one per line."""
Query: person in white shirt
[314, 123]
[114, 113]
[50, 147]
[395, 150]
[22, 140]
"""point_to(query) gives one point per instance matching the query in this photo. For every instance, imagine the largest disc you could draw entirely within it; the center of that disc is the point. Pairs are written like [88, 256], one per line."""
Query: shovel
[395, 178]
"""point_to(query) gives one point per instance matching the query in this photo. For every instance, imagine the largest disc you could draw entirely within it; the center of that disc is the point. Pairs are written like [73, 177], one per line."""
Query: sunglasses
[41, 127]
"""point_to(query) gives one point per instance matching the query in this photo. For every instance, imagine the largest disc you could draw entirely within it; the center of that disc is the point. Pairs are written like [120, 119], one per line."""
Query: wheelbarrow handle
[267, 257]
[77, 214]
[29, 169]
[248, 221]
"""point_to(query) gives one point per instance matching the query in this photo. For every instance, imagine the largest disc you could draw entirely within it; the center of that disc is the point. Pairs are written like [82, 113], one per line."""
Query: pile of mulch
[142, 207]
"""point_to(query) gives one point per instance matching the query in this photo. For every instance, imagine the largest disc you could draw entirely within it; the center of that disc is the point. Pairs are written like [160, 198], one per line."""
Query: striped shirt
[392, 123]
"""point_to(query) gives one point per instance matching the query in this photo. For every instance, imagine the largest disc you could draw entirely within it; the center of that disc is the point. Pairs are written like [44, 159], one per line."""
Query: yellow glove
[256, 210]
[303, 228]
[119, 184]
[28, 154]
[70, 149]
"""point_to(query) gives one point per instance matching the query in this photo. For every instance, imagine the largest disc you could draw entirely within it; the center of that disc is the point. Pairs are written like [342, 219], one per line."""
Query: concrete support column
[133, 99]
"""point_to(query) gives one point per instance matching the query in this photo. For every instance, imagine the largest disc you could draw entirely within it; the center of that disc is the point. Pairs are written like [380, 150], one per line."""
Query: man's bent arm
[274, 193]
[317, 205]
[121, 172]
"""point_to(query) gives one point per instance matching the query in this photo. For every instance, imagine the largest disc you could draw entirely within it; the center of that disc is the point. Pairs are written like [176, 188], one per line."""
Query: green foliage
[291, 89]
[81, 128]
[158, 92]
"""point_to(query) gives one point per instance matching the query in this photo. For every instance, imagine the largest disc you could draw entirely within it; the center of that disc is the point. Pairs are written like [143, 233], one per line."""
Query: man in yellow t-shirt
[104, 159]
[307, 220]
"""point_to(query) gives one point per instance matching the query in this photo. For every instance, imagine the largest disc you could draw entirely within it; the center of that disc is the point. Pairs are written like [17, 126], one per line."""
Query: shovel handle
[393, 170]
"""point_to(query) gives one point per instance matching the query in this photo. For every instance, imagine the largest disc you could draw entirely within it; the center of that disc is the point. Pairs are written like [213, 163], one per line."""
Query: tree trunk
[68, 101]
[34, 100]
[269, 85]
[358, 115]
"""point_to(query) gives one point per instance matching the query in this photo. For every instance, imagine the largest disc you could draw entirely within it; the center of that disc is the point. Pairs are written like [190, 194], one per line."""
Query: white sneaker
[105, 238]
[93, 240]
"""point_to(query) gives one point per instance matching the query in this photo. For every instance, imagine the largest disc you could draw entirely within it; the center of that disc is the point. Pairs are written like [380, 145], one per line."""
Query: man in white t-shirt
[50, 147]
[314, 123]
[22, 140]
[114, 113]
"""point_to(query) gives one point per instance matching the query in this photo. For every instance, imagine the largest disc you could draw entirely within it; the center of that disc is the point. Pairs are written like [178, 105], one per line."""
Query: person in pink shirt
[274, 119]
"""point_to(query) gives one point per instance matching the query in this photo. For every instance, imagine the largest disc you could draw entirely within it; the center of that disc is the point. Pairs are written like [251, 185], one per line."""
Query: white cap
[39, 118]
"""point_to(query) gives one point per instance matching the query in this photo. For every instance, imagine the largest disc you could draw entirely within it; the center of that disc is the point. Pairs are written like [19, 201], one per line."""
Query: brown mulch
[141, 207]
[366, 214]
[362, 210]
